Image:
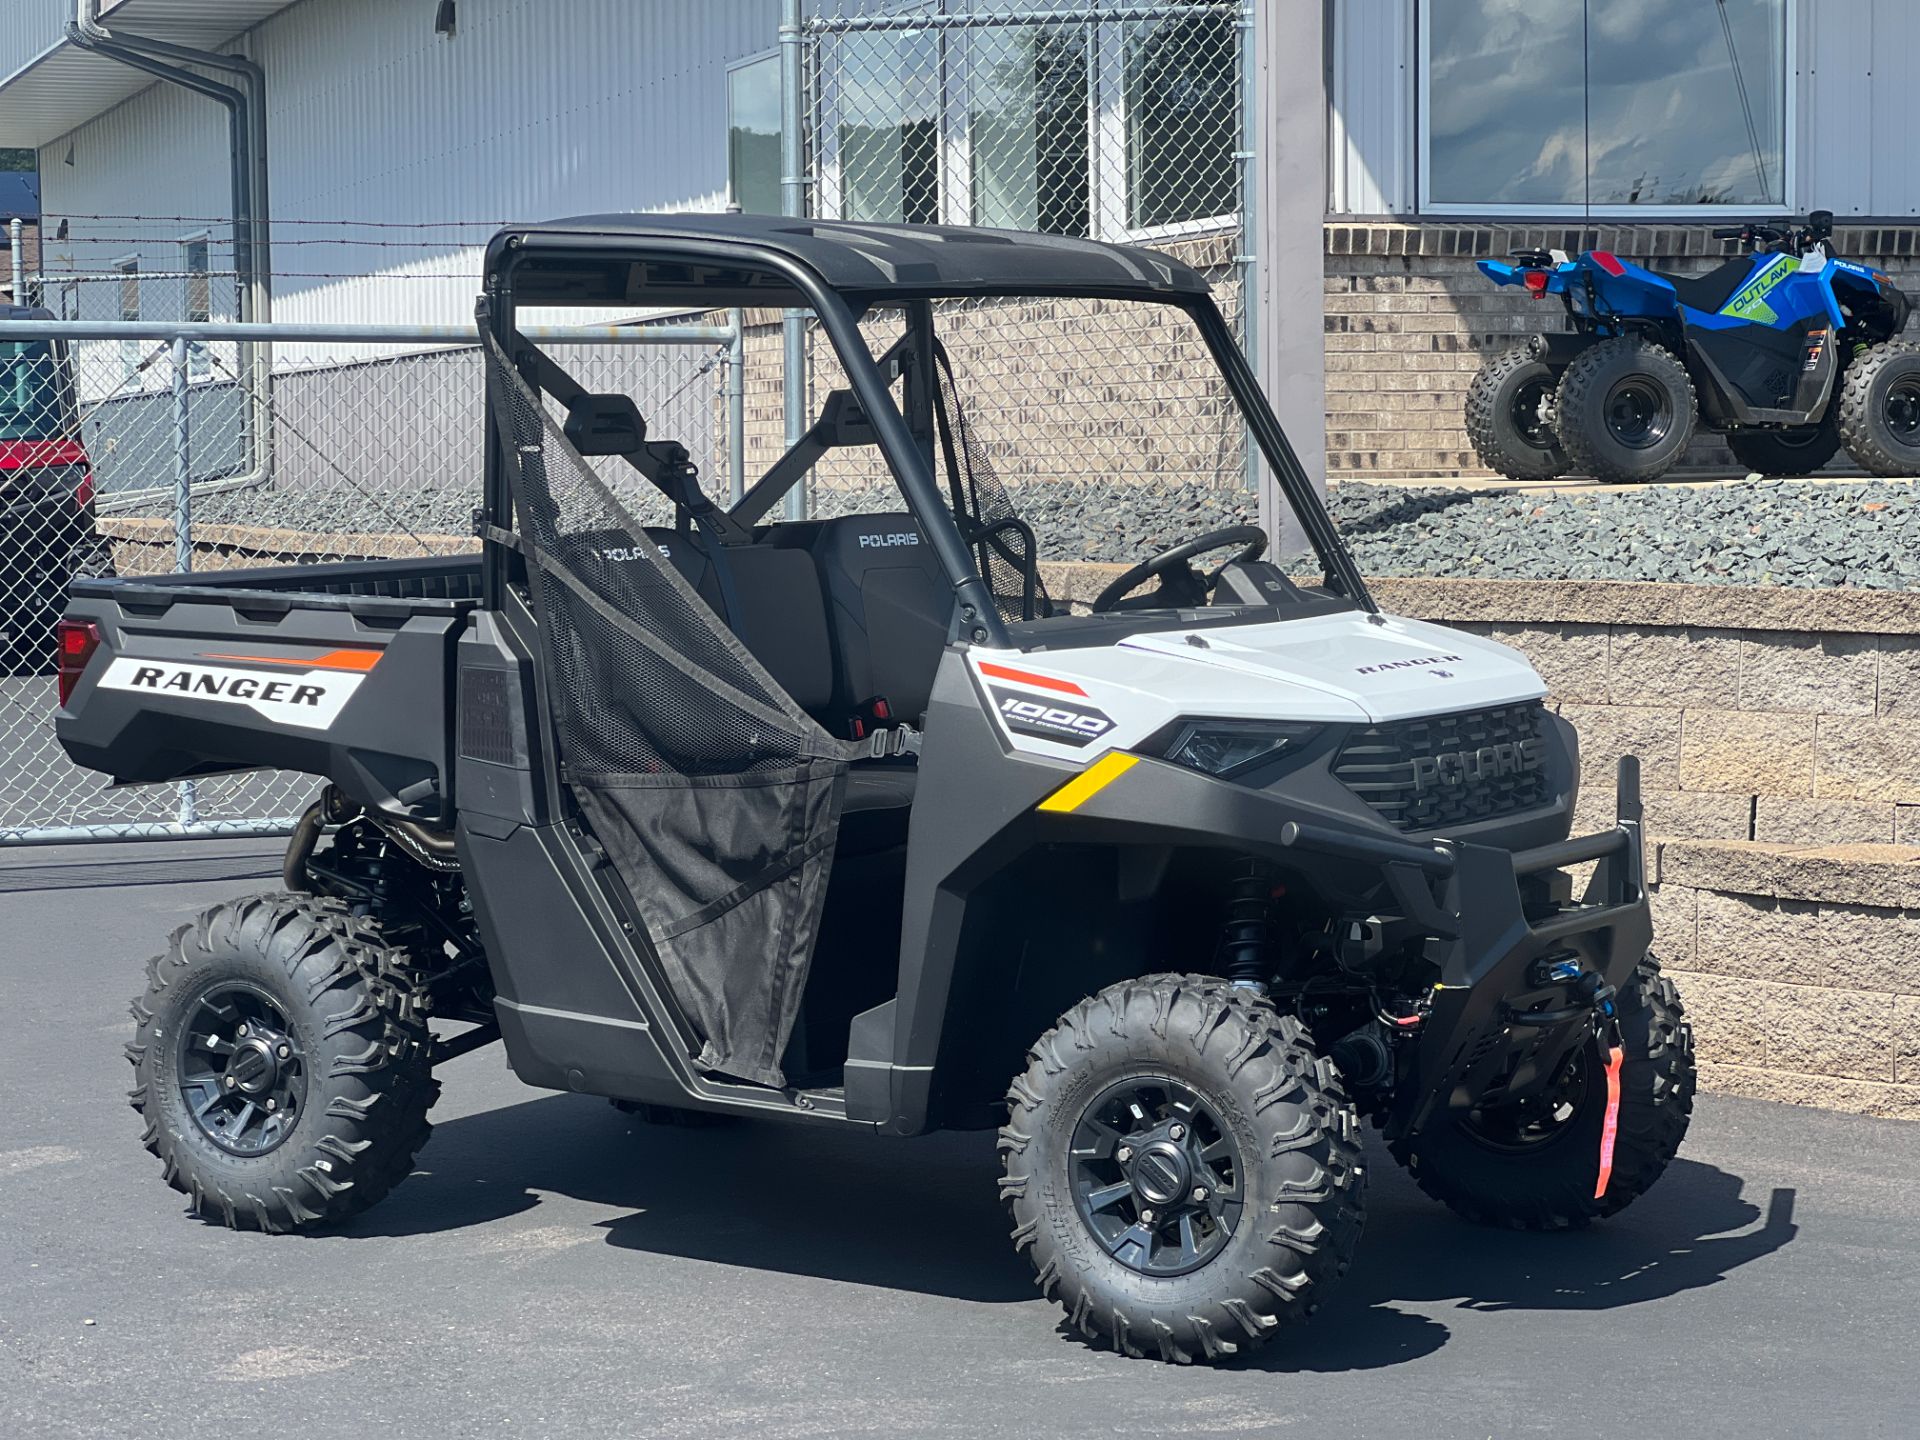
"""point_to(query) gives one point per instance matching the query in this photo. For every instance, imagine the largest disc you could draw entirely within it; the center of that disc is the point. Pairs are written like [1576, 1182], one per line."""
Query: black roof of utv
[553, 261]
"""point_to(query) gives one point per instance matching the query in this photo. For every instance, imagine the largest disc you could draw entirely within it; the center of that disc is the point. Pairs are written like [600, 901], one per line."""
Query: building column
[1290, 156]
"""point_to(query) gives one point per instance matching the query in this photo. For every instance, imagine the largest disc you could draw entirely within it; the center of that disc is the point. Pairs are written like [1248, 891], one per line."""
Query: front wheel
[1880, 409]
[1182, 1170]
[1624, 410]
[283, 1067]
[1538, 1167]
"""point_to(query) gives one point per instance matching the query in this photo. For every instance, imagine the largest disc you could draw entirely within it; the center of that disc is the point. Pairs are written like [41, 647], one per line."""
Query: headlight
[1225, 747]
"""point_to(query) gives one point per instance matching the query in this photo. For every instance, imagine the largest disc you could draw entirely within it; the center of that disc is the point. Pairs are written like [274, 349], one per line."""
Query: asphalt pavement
[556, 1269]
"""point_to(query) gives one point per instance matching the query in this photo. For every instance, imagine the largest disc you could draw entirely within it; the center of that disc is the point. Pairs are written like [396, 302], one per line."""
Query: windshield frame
[909, 459]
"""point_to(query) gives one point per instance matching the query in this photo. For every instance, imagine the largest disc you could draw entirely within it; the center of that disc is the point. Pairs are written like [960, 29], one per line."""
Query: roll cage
[841, 272]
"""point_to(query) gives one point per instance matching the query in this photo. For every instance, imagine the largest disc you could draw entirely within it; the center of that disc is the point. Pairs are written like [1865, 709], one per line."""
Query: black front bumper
[1495, 1023]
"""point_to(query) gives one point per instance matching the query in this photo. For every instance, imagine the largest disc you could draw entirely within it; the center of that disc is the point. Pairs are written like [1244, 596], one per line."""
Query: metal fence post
[189, 812]
[737, 408]
[1249, 257]
[793, 201]
[16, 232]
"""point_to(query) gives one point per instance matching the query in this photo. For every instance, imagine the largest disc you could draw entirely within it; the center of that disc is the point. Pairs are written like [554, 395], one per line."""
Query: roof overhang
[64, 86]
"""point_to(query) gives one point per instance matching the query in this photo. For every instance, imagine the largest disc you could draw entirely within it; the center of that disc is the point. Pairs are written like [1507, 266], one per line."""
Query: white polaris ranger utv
[842, 822]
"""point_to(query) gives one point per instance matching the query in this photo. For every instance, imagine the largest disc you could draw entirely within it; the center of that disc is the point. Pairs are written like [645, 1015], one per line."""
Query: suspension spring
[1245, 940]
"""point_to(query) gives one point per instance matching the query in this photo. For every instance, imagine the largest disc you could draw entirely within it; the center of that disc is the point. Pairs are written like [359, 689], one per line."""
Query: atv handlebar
[1795, 239]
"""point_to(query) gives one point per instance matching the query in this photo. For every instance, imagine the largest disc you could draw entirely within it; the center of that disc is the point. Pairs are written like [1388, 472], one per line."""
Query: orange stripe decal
[1027, 677]
[1610, 1127]
[356, 660]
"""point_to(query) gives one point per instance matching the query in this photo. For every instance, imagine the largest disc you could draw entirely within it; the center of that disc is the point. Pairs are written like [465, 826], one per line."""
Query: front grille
[1379, 765]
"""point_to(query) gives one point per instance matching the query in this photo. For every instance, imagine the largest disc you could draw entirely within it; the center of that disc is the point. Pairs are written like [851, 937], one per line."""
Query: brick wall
[1796, 967]
[1409, 320]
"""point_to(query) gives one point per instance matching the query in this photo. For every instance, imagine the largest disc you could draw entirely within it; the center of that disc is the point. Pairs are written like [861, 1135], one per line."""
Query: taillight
[78, 639]
[1536, 282]
[83, 489]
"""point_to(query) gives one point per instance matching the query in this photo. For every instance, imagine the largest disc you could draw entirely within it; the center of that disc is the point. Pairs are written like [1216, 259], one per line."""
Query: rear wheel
[1508, 417]
[1537, 1167]
[1624, 410]
[1800, 451]
[1181, 1169]
[283, 1067]
[1880, 409]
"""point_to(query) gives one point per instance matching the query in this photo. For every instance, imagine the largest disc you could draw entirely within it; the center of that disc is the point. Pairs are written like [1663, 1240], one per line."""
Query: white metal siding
[536, 108]
[28, 28]
[1862, 71]
[1370, 120]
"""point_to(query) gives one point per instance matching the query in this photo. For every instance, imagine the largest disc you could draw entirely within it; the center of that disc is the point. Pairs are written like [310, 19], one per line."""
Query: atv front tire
[1625, 410]
[1181, 1169]
[1507, 417]
[282, 1065]
[1880, 409]
[1543, 1177]
[1800, 451]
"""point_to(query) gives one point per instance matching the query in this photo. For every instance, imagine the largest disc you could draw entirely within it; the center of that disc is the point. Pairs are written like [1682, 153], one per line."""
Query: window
[129, 273]
[1028, 126]
[199, 298]
[753, 135]
[1571, 106]
[1099, 128]
[1183, 122]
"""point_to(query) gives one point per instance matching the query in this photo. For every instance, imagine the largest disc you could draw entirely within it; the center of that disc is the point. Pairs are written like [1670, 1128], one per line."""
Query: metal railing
[134, 448]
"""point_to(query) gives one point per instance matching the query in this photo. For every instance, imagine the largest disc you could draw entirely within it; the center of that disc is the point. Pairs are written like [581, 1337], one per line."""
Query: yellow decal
[1750, 303]
[1089, 782]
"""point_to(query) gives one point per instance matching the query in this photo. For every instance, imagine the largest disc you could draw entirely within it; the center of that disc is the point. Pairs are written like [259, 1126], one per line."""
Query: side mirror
[605, 425]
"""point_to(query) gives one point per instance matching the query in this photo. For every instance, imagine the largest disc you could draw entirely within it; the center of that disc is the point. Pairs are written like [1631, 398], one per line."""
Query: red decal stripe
[357, 660]
[1610, 1127]
[1027, 677]
[1605, 260]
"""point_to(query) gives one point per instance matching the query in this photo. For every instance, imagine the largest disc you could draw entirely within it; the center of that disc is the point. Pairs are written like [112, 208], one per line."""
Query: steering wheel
[1251, 539]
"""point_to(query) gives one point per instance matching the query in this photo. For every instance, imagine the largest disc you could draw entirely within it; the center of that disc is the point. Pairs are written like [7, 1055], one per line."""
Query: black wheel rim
[1528, 414]
[1638, 412]
[1530, 1125]
[242, 1072]
[1902, 410]
[1156, 1176]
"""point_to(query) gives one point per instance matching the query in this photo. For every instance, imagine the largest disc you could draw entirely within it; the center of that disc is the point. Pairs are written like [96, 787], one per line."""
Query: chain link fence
[1106, 422]
[160, 452]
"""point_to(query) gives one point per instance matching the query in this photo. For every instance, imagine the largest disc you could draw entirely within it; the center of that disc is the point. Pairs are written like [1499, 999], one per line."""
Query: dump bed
[337, 670]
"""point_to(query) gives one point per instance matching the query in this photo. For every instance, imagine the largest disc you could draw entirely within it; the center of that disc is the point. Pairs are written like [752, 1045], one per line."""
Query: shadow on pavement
[923, 1215]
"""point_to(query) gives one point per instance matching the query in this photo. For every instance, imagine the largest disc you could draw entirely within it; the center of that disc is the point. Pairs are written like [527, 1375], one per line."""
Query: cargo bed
[340, 670]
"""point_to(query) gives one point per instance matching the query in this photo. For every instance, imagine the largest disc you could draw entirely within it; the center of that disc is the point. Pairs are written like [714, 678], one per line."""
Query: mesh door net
[716, 797]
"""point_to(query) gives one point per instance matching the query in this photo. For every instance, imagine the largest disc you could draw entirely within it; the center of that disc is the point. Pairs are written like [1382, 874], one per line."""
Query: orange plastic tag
[1610, 1128]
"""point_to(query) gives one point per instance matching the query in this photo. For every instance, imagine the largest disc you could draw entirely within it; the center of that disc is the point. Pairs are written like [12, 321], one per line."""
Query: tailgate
[195, 680]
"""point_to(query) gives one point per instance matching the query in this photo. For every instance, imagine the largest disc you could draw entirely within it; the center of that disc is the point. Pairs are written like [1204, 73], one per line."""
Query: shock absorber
[1244, 941]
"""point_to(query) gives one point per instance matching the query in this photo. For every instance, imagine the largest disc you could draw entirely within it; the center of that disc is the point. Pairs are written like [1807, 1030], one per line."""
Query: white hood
[1390, 669]
[1348, 668]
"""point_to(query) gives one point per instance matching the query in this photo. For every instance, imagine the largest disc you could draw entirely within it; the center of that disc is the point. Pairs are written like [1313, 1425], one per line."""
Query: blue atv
[1786, 349]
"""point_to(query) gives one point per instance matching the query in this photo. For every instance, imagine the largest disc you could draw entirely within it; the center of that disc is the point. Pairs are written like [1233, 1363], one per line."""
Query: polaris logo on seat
[1487, 762]
[883, 542]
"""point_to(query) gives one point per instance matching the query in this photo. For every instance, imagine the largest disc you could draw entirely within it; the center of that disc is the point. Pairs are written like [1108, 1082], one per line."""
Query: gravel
[1775, 532]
